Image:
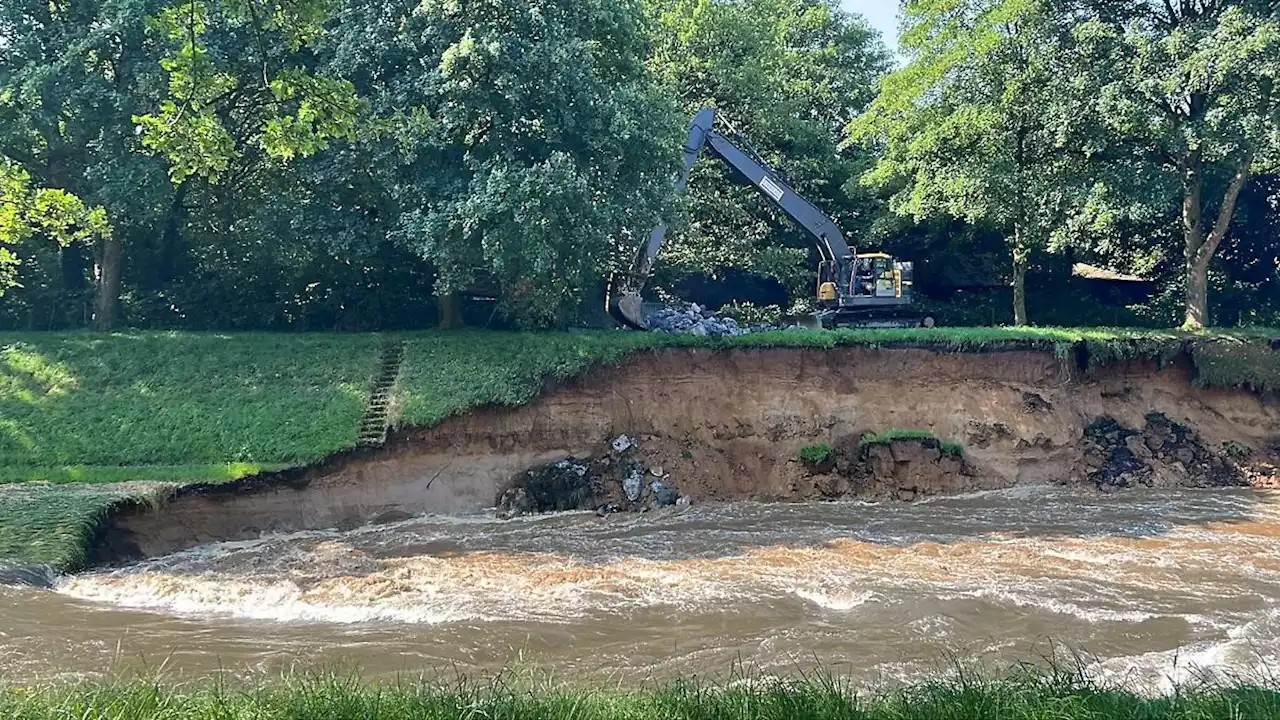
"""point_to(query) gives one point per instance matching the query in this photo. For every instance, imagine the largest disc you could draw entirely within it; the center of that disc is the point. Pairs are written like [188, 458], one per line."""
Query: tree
[1191, 85]
[49, 212]
[520, 140]
[241, 79]
[788, 75]
[71, 76]
[974, 126]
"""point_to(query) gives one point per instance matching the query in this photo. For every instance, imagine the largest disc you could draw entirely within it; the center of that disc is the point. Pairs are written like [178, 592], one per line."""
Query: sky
[882, 14]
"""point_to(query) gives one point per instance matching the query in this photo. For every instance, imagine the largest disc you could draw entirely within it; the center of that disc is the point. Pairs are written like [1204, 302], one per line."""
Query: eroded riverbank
[879, 591]
[729, 425]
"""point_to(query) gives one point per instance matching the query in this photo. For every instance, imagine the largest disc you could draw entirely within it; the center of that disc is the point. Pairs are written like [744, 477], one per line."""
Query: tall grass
[1020, 697]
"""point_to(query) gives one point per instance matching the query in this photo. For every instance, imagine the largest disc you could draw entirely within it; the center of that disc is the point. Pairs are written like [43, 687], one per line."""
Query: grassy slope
[1025, 698]
[71, 401]
[53, 525]
[84, 409]
[80, 408]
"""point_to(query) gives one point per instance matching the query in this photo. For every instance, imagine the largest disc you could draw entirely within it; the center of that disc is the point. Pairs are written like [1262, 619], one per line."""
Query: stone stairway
[374, 424]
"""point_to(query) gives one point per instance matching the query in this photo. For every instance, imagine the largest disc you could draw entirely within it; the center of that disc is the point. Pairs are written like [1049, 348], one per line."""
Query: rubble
[1162, 453]
[614, 480]
[694, 320]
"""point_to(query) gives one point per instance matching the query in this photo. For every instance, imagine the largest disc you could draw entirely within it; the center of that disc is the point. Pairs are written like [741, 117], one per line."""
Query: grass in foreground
[1024, 698]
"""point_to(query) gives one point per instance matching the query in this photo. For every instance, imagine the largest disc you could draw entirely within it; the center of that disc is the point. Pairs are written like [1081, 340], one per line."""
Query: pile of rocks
[616, 480]
[694, 320]
[1162, 453]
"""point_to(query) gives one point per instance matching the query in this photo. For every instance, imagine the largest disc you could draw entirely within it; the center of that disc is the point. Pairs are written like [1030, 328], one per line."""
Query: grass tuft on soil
[814, 455]
[815, 697]
[892, 435]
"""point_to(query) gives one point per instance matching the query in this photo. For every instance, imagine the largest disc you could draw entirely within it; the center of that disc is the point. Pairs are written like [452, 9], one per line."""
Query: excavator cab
[879, 275]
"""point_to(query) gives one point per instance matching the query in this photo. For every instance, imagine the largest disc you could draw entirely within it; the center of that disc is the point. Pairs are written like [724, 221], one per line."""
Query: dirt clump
[634, 480]
[903, 469]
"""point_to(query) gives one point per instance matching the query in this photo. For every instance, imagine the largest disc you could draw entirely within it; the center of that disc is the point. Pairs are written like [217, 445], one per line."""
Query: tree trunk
[449, 311]
[106, 274]
[1200, 247]
[74, 309]
[1020, 258]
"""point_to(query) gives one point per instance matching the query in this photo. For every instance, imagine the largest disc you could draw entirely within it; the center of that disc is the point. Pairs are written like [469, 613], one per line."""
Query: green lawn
[170, 399]
[79, 408]
[1023, 697]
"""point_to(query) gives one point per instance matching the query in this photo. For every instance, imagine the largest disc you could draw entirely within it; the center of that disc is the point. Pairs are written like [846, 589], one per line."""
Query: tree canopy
[316, 164]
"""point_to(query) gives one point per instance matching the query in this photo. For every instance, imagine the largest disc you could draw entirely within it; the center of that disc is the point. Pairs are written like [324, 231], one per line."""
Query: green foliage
[54, 214]
[749, 314]
[892, 435]
[1238, 362]
[1183, 98]
[1237, 450]
[1021, 695]
[974, 126]
[218, 108]
[813, 455]
[520, 143]
[174, 399]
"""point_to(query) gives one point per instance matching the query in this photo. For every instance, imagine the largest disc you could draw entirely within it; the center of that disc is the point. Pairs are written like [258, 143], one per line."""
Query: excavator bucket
[628, 309]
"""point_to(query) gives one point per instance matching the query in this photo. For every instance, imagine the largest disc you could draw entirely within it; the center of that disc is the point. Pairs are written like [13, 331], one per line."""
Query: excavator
[853, 290]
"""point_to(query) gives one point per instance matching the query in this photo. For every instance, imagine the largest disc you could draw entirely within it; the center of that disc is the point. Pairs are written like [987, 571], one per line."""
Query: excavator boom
[839, 260]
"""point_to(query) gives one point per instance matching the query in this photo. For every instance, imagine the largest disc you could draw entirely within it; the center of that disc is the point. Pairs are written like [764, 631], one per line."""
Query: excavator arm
[624, 297]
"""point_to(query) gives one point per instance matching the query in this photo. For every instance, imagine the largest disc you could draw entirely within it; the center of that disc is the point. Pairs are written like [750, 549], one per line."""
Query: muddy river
[1143, 586]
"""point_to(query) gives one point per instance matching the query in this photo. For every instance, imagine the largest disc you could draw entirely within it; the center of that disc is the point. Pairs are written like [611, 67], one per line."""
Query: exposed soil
[729, 425]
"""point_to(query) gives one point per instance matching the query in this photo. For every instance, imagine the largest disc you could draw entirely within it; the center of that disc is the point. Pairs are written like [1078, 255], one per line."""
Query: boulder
[666, 496]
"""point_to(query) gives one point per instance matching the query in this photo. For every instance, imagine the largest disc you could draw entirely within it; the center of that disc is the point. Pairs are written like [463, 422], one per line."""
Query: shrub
[1238, 451]
[815, 455]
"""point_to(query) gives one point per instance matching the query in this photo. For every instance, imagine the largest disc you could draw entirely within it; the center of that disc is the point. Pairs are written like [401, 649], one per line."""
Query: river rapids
[1148, 588]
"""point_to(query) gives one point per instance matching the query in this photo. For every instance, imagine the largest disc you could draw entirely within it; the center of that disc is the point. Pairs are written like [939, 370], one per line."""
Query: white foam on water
[902, 575]
[835, 600]
[1055, 605]
[278, 602]
[1161, 672]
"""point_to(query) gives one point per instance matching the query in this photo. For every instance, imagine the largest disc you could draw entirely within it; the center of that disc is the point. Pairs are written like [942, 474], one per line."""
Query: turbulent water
[1146, 587]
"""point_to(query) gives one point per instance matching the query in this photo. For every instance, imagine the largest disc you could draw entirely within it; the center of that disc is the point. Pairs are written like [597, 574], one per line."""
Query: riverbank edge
[815, 695]
[1249, 361]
